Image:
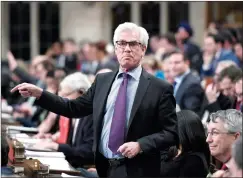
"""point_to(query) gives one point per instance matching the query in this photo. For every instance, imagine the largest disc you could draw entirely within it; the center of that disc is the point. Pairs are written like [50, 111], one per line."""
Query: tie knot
[174, 83]
[125, 75]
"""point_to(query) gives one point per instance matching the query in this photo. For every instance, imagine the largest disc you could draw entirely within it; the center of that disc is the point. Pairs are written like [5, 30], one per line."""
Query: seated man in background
[76, 135]
[239, 95]
[214, 98]
[227, 78]
[235, 164]
[224, 128]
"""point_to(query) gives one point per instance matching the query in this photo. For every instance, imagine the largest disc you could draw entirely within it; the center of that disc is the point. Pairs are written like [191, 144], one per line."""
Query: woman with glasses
[191, 157]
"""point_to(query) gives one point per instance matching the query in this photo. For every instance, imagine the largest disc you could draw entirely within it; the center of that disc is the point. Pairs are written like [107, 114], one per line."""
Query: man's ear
[144, 50]
[237, 135]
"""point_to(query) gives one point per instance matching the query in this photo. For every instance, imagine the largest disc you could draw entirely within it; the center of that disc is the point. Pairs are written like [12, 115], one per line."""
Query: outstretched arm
[79, 107]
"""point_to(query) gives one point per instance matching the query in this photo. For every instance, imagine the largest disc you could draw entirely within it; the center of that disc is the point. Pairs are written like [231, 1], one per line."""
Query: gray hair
[76, 81]
[231, 118]
[237, 152]
[143, 34]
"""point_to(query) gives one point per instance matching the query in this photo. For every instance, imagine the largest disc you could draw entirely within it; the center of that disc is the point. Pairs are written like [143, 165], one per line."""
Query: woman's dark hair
[192, 136]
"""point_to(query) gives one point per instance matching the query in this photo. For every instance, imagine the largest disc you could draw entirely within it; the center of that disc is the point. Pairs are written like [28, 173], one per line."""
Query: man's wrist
[39, 94]
[55, 146]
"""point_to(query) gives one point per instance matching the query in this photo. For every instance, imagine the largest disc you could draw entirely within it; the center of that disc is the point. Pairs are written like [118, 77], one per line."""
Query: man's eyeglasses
[132, 44]
[215, 133]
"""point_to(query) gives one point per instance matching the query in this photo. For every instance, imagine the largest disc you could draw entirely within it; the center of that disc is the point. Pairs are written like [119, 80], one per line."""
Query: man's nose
[127, 47]
[209, 139]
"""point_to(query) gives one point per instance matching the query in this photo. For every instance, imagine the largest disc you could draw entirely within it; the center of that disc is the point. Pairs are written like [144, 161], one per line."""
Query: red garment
[64, 126]
[224, 167]
[238, 106]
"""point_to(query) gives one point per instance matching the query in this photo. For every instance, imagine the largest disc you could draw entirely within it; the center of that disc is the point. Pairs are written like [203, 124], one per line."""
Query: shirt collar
[134, 73]
[180, 78]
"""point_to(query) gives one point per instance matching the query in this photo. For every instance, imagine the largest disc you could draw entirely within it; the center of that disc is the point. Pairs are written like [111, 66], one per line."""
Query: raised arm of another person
[13, 66]
[80, 107]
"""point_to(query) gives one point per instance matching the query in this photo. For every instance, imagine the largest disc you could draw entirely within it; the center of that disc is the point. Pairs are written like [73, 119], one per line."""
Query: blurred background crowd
[207, 77]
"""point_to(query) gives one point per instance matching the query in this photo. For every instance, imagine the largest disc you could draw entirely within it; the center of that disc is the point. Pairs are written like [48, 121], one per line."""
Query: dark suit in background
[152, 123]
[190, 93]
[79, 152]
[107, 64]
[222, 103]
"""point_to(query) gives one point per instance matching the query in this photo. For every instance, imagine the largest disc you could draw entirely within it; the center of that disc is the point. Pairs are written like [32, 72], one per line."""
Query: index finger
[16, 88]
[122, 148]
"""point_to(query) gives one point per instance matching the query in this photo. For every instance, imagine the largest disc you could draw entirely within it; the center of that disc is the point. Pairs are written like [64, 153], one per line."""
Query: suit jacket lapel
[141, 90]
[105, 90]
[181, 89]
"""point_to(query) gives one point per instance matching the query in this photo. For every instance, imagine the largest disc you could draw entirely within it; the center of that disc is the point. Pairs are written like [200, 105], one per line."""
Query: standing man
[187, 87]
[134, 112]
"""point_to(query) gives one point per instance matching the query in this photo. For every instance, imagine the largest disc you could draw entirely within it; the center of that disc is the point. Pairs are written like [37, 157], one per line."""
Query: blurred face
[51, 84]
[238, 51]
[219, 140]
[227, 87]
[129, 50]
[89, 52]
[209, 45]
[40, 72]
[166, 45]
[99, 54]
[168, 71]
[148, 68]
[154, 44]
[182, 33]
[177, 64]
[234, 171]
[69, 48]
[57, 48]
[238, 91]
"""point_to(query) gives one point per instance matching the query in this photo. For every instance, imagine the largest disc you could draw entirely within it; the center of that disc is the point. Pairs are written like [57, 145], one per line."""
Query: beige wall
[84, 22]
[94, 22]
[4, 29]
[197, 19]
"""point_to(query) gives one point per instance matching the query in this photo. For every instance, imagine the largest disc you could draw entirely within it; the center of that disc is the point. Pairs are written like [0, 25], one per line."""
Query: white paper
[20, 135]
[44, 154]
[20, 128]
[66, 175]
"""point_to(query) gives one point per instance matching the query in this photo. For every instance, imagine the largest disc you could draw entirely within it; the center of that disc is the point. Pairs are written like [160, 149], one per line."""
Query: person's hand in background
[11, 61]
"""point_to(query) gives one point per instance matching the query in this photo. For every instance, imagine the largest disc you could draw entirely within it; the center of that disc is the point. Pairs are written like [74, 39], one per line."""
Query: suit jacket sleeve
[167, 123]
[81, 152]
[80, 107]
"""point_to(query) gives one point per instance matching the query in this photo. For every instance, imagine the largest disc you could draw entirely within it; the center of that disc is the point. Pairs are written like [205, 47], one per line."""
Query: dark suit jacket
[152, 123]
[80, 152]
[110, 64]
[222, 103]
[190, 93]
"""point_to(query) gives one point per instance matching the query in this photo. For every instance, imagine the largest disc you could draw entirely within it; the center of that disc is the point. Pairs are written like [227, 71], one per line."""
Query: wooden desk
[71, 170]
